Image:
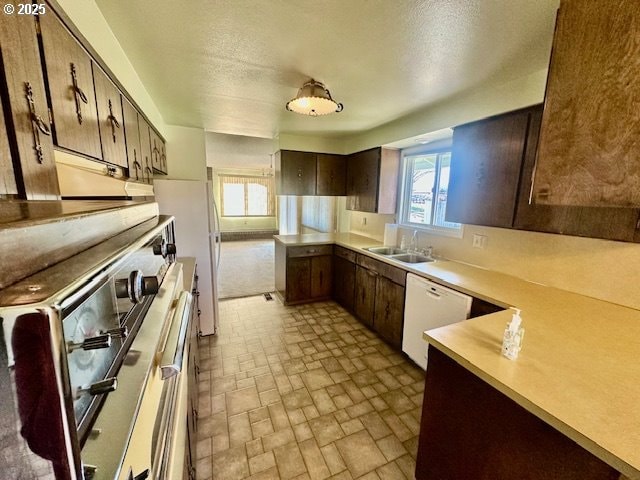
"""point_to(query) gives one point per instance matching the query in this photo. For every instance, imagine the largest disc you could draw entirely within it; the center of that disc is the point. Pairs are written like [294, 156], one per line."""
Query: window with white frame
[424, 192]
[247, 196]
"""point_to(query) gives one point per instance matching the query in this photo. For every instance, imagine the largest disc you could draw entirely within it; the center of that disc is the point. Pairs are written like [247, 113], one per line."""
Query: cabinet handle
[37, 124]
[312, 250]
[136, 164]
[299, 173]
[371, 273]
[78, 94]
[114, 121]
[481, 174]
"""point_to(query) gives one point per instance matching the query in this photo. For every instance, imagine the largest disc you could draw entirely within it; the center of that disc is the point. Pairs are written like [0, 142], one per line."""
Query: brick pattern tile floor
[304, 392]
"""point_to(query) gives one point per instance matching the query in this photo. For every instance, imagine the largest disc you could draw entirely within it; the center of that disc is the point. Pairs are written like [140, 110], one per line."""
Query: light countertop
[579, 368]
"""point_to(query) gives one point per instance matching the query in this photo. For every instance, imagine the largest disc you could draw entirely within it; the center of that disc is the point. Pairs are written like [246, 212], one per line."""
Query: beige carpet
[246, 268]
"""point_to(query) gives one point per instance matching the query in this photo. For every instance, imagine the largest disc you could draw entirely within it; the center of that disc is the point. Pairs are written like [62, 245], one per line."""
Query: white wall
[186, 154]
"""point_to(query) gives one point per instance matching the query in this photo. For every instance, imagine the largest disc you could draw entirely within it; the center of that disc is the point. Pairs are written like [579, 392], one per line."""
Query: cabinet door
[321, 268]
[298, 279]
[156, 152]
[132, 136]
[163, 157]
[7, 177]
[364, 301]
[110, 119]
[344, 279]
[589, 149]
[363, 174]
[296, 172]
[331, 174]
[389, 311]
[485, 170]
[26, 113]
[597, 222]
[70, 81]
[145, 149]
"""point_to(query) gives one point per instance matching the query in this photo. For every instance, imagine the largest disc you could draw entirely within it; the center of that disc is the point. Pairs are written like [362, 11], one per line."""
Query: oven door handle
[171, 368]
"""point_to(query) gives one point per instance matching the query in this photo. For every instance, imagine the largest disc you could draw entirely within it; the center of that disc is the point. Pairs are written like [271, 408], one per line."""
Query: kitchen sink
[385, 250]
[411, 258]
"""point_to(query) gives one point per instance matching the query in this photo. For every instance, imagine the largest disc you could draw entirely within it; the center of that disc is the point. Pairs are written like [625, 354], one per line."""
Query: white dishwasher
[429, 305]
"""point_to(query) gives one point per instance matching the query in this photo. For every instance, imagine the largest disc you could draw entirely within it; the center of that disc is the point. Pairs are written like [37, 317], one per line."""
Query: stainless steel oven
[68, 334]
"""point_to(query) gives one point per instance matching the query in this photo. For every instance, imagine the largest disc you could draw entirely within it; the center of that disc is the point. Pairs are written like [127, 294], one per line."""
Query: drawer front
[394, 274]
[309, 251]
[345, 253]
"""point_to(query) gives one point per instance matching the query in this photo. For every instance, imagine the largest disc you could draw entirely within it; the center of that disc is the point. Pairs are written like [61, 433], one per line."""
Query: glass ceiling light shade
[313, 99]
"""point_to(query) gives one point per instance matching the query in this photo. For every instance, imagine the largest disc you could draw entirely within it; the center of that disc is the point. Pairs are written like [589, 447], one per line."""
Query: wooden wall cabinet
[145, 149]
[309, 173]
[158, 155]
[372, 180]
[486, 158]
[110, 119]
[73, 98]
[132, 137]
[295, 173]
[7, 179]
[331, 174]
[613, 223]
[589, 149]
[303, 273]
[30, 169]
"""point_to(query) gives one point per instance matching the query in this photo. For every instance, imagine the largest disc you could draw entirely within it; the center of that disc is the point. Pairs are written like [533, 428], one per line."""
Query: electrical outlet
[479, 241]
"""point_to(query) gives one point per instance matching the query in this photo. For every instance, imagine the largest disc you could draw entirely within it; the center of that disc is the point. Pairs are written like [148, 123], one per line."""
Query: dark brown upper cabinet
[110, 119]
[372, 180]
[132, 136]
[30, 169]
[70, 80]
[612, 223]
[158, 157]
[589, 148]
[295, 173]
[486, 159]
[331, 174]
[7, 177]
[145, 149]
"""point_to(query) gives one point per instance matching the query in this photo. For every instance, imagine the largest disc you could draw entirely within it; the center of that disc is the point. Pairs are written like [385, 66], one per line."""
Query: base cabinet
[379, 298]
[364, 305]
[344, 277]
[389, 311]
[303, 273]
[470, 430]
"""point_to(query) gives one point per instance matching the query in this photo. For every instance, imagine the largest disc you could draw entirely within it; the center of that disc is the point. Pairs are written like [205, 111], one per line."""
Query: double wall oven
[91, 353]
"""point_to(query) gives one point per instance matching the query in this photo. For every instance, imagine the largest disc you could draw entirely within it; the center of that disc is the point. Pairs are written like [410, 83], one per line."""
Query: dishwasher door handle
[434, 294]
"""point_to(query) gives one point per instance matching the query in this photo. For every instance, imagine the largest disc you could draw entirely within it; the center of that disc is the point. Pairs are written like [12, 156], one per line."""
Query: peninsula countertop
[578, 369]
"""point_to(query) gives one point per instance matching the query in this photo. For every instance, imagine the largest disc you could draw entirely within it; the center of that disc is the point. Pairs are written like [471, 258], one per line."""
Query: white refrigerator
[192, 204]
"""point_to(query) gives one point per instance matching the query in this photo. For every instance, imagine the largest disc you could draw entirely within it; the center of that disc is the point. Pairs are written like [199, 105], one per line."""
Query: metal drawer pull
[182, 315]
[113, 120]
[78, 94]
[36, 120]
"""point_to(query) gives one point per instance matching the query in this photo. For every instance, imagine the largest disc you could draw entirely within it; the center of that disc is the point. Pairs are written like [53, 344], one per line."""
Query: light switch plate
[479, 241]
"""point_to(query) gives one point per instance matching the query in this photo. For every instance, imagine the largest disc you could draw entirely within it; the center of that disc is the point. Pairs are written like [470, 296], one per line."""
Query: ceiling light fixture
[313, 99]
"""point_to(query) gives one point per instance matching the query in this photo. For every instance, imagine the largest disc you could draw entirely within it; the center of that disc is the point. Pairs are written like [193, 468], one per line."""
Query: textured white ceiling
[230, 66]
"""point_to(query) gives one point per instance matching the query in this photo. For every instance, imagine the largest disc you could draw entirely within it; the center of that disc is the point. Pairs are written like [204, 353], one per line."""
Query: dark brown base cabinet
[303, 273]
[344, 277]
[469, 430]
[378, 296]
